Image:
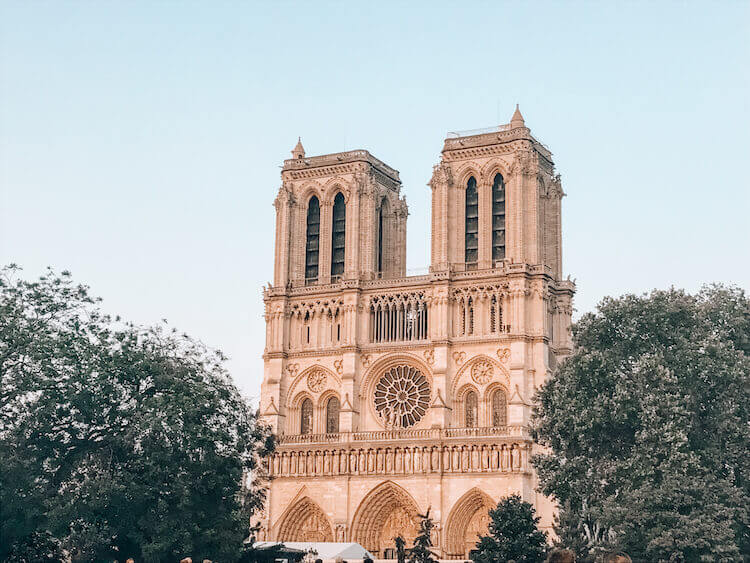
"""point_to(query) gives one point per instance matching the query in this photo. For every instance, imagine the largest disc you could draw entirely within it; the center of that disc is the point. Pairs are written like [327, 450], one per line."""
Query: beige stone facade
[391, 394]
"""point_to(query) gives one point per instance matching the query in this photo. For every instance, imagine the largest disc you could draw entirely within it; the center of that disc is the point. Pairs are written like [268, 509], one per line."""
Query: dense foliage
[422, 552]
[513, 534]
[647, 427]
[116, 441]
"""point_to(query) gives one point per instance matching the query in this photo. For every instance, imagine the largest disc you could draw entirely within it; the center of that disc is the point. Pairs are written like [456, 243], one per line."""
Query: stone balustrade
[350, 458]
[405, 434]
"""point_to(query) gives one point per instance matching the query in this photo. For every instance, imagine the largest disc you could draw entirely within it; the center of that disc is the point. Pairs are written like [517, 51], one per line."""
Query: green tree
[116, 440]
[646, 424]
[422, 552]
[513, 534]
[400, 549]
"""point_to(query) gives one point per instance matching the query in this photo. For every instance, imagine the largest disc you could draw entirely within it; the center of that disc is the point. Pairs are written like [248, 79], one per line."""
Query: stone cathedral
[391, 394]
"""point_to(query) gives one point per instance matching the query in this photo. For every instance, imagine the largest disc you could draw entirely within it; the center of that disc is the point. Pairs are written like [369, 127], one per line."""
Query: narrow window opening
[313, 240]
[380, 236]
[498, 218]
[471, 409]
[338, 240]
[499, 408]
[332, 415]
[306, 416]
[472, 224]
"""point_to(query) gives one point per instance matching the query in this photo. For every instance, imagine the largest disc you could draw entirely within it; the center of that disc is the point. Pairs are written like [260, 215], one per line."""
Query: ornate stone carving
[292, 370]
[402, 397]
[339, 366]
[459, 357]
[429, 356]
[316, 380]
[482, 372]
[503, 354]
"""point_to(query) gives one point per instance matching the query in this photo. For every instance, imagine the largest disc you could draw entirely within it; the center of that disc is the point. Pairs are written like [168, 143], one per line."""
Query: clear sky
[140, 142]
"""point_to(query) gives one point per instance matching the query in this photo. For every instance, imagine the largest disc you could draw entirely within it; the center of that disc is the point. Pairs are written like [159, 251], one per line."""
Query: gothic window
[499, 408]
[332, 415]
[306, 417]
[338, 240]
[398, 317]
[313, 240]
[471, 407]
[472, 223]
[381, 234]
[496, 316]
[402, 396]
[498, 218]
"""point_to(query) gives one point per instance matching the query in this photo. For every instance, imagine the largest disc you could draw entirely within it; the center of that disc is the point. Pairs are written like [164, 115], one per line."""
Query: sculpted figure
[388, 461]
[474, 458]
[516, 457]
[399, 462]
[456, 459]
[435, 459]
[407, 461]
[371, 462]
[506, 459]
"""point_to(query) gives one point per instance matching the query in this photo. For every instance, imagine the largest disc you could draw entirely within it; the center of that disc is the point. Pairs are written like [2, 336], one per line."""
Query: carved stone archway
[468, 519]
[387, 511]
[305, 521]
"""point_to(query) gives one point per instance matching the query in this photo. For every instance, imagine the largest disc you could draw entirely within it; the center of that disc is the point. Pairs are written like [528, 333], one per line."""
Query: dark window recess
[306, 417]
[313, 240]
[338, 241]
[472, 222]
[332, 415]
[498, 218]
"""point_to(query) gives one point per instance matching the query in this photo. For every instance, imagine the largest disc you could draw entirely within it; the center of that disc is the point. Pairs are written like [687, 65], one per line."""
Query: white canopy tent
[326, 550]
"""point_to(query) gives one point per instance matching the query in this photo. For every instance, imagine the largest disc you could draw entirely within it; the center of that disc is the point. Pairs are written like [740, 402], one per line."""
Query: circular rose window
[402, 396]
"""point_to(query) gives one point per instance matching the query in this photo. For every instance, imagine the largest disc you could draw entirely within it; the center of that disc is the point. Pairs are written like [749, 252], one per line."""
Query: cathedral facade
[391, 394]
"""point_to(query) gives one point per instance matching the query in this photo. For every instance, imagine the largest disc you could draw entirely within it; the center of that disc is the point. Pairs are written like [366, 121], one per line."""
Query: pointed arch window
[332, 415]
[381, 234]
[471, 407]
[306, 417]
[338, 237]
[498, 218]
[499, 408]
[313, 240]
[471, 247]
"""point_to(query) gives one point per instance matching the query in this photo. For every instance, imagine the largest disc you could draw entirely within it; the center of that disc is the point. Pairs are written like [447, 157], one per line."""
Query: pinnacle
[298, 151]
[517, 119]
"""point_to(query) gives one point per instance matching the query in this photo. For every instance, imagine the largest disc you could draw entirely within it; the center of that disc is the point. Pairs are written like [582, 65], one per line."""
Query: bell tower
[360, 235]
[495, 198]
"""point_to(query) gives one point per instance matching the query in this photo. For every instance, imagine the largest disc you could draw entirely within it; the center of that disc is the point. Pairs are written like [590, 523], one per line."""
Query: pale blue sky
[140, 142]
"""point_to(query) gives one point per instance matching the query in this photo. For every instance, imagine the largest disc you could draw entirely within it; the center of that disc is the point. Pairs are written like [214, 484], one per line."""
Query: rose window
[402, 397]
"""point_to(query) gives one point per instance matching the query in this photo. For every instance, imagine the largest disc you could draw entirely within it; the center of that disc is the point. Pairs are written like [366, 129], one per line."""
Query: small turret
[517, 119]
[298, 151]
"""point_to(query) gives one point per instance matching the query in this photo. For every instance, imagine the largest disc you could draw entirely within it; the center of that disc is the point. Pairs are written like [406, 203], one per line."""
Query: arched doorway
[386, 512]
[305, 521]
[468, 520]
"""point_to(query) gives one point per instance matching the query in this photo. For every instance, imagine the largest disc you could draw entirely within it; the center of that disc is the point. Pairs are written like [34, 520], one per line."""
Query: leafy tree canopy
[647, 425]
[117, 441]
[513, 534]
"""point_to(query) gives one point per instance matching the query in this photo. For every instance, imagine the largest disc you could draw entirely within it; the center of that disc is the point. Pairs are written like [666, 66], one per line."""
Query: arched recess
[305, 521]
[470, 373]
[387, 511]
[468, 519]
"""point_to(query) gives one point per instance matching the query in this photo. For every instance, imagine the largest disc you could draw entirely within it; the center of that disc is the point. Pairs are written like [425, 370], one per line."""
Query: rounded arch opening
[467, 520]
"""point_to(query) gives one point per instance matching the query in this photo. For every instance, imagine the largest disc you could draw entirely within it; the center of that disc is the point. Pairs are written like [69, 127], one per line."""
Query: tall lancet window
[498, 218]
[381, 233]
[338, 240]
[313, 240]
[306, 417]
[332, 415]
[499, 408]
[472, 223]
[472, 408]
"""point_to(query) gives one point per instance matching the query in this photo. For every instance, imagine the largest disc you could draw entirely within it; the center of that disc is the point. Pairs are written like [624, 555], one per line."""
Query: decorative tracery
[402, 396]
[398, 317]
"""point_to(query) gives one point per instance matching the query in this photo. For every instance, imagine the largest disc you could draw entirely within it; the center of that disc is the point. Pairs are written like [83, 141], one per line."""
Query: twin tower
[391, 394]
